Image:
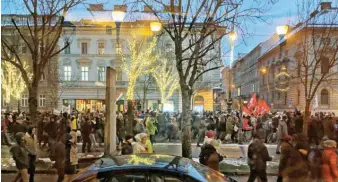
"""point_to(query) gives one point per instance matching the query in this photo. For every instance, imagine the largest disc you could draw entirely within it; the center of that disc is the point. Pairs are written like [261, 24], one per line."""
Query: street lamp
[232, 37]
[155, 26]
[282, 30]
[118, 17]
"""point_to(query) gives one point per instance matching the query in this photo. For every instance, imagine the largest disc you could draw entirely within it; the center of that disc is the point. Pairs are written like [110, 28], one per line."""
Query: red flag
[253, 102]
[257, 111]
[262, 107]
[246, 110]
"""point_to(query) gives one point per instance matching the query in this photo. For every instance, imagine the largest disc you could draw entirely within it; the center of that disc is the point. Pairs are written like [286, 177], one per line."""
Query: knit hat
[330, 144]
[210, 134]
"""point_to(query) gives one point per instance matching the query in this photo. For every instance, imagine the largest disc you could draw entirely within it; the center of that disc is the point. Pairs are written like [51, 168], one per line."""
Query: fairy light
[166, 79]
[141, 62]
[12, 82]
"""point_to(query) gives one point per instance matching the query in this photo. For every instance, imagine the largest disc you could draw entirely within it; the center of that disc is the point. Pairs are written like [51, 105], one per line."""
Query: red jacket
[246, 126]
[329, 165]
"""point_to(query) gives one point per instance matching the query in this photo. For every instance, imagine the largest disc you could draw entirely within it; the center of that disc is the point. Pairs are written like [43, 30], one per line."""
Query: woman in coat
[329, 161]
[141, 143]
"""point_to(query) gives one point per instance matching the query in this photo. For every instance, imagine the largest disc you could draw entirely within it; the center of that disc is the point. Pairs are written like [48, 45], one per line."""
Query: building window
[119, 75]
[24, 100]
[100, 48]
[84, 73]
[101, 73]
[42, 100]
[68, 73]
[118, 47]
[324, 65]
[298, 96]
[67, 49]
[324, 97]
[84, 48]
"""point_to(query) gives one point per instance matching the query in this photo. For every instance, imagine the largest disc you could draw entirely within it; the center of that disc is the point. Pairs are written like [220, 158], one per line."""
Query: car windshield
[209, 174]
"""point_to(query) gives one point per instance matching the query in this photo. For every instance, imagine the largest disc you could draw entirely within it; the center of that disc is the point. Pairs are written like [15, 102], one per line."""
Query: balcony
[92, 84]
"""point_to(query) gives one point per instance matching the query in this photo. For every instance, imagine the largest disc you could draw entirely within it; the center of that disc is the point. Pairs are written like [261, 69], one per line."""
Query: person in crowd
[229, 128]
[20, 156]
[17, 126]
[282, 132]
[151, 123]
[59, 156]
[86, 129]
[99, 125]
[51, 129]
[209, 135]
[247, 127]
[299, 122]
[221, 127]
[40, 131]
[73, 150]
[93, 132]
[140, 145]
[127, 147]
[62, 126]
[329, 171]
[31, 146]
[286, 147]
[258, 155]
[235, 129]
[202, 129]
[209, 157]
[4, 137]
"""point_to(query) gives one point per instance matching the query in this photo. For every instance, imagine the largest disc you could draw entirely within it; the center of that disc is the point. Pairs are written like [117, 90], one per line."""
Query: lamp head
[118, 16]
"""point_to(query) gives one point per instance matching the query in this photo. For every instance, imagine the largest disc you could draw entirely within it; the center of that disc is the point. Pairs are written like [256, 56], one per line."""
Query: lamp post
[232, 37]
[118, 17]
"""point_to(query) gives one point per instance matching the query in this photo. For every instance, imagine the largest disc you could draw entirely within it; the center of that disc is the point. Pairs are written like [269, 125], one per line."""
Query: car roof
[154, 161]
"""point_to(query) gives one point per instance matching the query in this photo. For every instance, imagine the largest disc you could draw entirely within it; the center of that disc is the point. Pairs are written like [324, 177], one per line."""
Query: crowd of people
[300, 151]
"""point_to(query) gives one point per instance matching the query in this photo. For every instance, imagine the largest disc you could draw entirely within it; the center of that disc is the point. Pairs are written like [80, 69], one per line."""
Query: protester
[258, 155]
[31, 146]
[282, 132]
[140, 145]
[60, 157]
[286, 147]
[127, 147]
[20, 156]
[329, 161]
[209, 157]
[86, 130]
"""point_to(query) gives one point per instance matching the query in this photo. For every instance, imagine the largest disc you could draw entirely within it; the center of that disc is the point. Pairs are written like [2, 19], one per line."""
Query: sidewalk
[232, 165]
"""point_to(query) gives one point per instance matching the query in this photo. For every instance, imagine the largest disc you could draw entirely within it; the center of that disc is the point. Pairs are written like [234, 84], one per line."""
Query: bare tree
[317, 48]
[196, 28]
[145, 85]
[39, 31]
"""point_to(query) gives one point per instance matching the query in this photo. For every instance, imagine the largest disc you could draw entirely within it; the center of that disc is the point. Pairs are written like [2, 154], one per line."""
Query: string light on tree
[282, 80]
[166, 79]
[142, 61]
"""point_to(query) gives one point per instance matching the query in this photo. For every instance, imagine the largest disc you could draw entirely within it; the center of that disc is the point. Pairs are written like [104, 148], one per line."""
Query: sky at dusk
[281, 13]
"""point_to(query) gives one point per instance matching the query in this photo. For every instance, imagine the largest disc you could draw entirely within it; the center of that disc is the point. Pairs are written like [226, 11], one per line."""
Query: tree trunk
[186, 129]
[33, 101]
[129, 123]
[144, 100]
[18, 105]
[306, 116]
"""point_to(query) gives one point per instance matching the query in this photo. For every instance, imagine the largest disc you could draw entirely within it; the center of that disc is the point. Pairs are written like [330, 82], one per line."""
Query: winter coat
[295, 165]
[60, 153]
[246, 126]
[86, 128]
[229, 126]
[299, 124]
[51, 129]
[285, 151]
[282, 129]
[329, 129]
[139, 148]
[31, 144]
[127, 148]
[258, 155]
[73, 150]
[19, 153]
[329, 165]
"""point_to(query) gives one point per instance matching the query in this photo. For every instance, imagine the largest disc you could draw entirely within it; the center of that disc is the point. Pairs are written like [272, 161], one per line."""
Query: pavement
[233, 164]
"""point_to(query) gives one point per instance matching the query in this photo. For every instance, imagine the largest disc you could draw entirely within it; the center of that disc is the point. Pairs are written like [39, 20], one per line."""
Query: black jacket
[258, 155]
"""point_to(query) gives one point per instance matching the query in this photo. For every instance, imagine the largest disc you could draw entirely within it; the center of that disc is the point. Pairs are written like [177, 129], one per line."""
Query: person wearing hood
[258, 155]
[329, 171]
[20, 156]
[141, 143]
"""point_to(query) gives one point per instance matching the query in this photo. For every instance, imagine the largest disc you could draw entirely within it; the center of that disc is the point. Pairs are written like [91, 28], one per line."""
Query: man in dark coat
[86, 129]
[60, 157]
[51, 130]
[258, 156]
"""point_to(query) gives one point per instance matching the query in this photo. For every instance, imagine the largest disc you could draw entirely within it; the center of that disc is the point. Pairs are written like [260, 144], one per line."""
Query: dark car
[149, 168]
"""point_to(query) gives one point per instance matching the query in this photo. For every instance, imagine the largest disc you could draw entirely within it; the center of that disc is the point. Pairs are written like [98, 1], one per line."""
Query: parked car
[149, 168]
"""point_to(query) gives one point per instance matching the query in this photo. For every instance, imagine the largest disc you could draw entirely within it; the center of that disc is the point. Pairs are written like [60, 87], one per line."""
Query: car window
[162, 177]
[124, 178]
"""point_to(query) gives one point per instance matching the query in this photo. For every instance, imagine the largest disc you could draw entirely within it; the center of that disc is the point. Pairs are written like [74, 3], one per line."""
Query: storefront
[198, 104]
[84, 104]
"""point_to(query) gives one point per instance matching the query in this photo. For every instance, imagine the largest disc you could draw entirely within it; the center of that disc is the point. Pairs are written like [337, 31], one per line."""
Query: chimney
[95, 7]
[325, 6]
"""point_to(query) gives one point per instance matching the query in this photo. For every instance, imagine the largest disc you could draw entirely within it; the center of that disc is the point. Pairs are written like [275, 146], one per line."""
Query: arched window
[324, 97]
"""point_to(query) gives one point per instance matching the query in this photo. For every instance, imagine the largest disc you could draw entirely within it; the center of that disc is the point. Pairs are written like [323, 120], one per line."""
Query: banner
[261, 108]
[253, 102]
